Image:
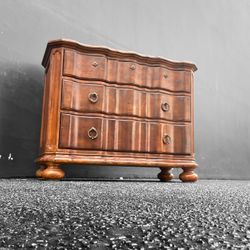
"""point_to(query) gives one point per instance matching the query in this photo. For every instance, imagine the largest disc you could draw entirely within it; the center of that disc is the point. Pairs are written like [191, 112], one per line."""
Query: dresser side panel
[51, 115]
[192, 113]
[44, 109]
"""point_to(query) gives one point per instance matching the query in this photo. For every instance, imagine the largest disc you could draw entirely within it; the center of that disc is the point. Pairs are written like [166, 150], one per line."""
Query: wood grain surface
[107, 107]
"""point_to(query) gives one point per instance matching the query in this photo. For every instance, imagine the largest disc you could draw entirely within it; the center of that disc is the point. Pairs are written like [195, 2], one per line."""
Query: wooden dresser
[107, 107]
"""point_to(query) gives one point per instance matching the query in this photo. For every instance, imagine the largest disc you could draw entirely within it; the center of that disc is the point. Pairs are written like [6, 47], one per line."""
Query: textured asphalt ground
[38, 214]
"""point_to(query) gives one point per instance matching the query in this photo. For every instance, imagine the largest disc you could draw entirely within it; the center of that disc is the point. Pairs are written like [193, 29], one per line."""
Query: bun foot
[53, 172]
[188, 175]
[40, 171]
[165, 174]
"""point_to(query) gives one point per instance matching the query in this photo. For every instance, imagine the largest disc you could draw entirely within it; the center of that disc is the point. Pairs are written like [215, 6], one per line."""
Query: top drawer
[84, 66]
[151, 76]
[99, 67]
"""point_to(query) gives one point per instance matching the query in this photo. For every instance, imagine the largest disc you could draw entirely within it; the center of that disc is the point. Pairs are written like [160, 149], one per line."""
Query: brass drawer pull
[93, 97]
[132, 67]
[166, 139]
[165, 75]
[95, 64]
[92, 133]
[165, 106]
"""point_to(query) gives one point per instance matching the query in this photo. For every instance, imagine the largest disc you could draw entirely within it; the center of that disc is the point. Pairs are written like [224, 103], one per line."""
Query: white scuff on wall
[10, 157]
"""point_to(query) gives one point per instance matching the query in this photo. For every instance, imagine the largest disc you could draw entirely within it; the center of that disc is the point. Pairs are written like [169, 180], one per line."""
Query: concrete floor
[124, 215]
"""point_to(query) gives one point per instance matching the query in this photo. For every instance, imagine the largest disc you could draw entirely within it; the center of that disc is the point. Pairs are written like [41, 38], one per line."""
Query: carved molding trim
[121, 161]
[115, 53]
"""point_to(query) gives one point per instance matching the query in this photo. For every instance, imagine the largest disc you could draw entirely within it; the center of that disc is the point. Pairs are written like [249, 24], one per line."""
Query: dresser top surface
[72, 44]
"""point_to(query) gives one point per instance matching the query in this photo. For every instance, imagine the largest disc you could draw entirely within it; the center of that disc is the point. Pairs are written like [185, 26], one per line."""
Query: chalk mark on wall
[10, 157]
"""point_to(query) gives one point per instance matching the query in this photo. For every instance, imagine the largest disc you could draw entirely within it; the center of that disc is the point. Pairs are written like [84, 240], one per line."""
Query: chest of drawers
[107, 107]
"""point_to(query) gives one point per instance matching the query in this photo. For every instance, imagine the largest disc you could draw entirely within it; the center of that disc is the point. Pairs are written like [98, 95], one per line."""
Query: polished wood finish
[40, 171]
[150, 135]
[107, 107]
[52, 171]
[165, 174]
[126, 101]
[188, 175]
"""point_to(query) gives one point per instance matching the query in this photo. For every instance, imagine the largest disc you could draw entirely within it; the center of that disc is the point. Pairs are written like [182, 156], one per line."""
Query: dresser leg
[40, 171]
[188, 175]
[52, 171]
[165, 174]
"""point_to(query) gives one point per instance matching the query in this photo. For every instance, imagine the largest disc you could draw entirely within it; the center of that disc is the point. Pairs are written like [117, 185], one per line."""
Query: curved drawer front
[169, 107]
[77, 132]
[83, 97]
[100, 98]
[84, 65]
[99, 67]
[151, 76]
[112, 134]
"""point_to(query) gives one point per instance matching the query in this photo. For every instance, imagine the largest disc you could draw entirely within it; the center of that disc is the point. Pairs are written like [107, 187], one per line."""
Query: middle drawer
[98, 97]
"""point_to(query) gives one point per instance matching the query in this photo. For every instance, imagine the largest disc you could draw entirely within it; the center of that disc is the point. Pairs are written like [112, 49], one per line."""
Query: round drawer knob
[132, 67]
[95, 64]
[92, 133]
[165, 106]
[93, 97]
[166, 139]
[165, 75]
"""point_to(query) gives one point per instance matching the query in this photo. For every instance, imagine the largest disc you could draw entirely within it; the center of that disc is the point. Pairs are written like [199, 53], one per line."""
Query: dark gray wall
[213, 34]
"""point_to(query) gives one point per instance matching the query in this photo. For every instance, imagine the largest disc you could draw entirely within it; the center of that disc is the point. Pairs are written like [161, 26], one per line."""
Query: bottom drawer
[112, 134]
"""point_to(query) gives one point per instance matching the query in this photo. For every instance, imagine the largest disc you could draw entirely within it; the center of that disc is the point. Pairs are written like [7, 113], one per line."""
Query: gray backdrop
[213, 34]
